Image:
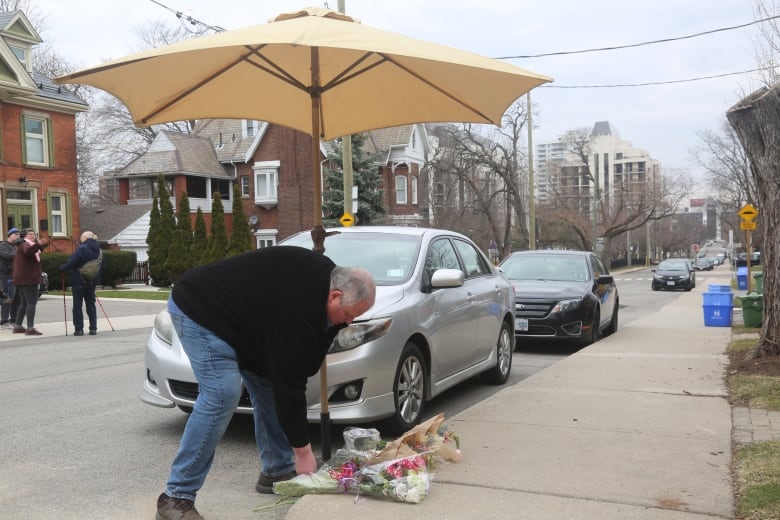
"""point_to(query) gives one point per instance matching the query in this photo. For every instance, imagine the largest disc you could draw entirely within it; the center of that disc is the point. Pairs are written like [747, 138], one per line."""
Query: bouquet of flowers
[401, 470]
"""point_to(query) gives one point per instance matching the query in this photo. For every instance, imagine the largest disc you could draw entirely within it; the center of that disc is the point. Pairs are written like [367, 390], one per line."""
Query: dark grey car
[561, 295]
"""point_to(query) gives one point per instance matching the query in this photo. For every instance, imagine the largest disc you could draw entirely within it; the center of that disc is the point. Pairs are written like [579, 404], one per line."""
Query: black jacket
[270, 306]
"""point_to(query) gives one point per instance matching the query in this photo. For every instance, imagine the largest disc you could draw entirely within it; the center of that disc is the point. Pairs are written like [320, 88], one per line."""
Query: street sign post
[747, 214]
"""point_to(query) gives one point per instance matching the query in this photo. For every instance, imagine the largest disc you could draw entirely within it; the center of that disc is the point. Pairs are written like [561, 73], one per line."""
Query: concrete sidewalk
[634, 427]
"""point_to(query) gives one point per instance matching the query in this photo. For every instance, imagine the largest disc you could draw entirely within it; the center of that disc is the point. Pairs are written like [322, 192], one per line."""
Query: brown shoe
[19, 330]
[265, 484]
[33, 332]
[169, 508]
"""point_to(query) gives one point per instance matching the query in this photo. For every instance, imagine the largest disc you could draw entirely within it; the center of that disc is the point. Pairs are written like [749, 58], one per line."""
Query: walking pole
[104, 313]
[64, 308]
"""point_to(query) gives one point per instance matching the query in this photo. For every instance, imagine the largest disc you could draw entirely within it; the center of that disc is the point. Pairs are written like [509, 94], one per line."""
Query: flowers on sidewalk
[401, 470]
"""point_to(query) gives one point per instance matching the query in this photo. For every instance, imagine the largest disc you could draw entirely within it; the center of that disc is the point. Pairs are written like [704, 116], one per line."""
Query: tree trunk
[756, 120]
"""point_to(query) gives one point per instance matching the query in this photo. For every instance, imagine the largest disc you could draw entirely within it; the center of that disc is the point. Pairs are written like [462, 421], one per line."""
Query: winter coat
[7, 253]
[88, 250]
[27, 266]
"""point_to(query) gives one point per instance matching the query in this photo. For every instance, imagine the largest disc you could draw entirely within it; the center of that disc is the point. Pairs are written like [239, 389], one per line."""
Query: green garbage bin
[759, 278]
[752, 309]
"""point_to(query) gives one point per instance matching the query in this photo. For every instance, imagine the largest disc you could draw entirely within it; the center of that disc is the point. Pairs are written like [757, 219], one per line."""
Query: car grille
[189, 391]
[526, 309]
[535, 309]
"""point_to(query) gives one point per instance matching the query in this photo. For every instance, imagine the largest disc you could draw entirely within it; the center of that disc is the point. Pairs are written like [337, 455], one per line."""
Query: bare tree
[490, 174]
[586, 210]
[755, 120]
[726, 164]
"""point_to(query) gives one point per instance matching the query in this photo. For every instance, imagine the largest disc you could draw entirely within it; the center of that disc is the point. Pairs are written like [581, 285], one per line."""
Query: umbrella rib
[434, 86]
[277, 71]
[344, 75]
[190, 90]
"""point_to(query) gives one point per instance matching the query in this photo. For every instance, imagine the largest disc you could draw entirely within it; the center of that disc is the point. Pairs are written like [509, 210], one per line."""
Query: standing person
[7, 253]
[83, 290]
[27, 278]
[265, 317]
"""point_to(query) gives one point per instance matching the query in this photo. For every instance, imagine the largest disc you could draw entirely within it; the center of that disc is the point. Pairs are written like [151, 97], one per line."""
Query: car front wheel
[408, 390]
[500, 371]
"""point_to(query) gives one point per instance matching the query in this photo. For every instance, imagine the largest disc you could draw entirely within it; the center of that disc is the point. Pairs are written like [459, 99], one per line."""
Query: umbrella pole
[318, 234]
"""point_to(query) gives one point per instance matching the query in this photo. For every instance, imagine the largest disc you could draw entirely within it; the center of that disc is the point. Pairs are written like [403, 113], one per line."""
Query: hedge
[116, 266]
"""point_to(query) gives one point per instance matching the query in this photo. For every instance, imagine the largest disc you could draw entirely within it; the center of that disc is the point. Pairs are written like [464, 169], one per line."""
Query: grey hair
[88, 234]
[356, 284]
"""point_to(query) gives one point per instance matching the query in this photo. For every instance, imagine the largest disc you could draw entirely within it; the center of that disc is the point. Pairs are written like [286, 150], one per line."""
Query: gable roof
[109, 221]
[16, 25]
[174, 153]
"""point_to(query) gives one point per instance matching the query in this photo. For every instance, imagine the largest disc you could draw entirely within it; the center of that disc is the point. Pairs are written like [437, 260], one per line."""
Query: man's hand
[304, 460]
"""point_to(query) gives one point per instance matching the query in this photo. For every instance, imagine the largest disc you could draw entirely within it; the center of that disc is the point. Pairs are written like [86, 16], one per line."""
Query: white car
[446, 313]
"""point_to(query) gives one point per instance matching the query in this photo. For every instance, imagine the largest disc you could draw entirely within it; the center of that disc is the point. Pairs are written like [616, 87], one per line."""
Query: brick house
[38, 175]
[272, 166]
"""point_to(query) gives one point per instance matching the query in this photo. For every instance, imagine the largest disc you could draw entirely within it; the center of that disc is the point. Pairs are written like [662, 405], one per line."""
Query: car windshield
[389, 257]
[561, 268]
[668, 265]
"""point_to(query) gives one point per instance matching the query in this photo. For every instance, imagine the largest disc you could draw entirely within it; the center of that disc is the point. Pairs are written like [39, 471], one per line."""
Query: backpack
[91, 268]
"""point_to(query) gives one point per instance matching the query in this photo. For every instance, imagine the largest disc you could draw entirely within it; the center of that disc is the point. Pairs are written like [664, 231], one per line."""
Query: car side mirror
[447, 278]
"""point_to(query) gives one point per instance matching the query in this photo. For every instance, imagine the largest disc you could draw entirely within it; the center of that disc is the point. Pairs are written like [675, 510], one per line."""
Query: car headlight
[359, 333]
[163, 327]
[565, 305]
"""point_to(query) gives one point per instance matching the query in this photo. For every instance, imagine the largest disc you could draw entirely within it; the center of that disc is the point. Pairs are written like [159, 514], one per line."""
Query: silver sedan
[443, 314]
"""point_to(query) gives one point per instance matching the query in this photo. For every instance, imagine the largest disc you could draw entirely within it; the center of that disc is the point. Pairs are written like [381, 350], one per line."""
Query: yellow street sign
[748, 212]
[747, 224]
[347, 220]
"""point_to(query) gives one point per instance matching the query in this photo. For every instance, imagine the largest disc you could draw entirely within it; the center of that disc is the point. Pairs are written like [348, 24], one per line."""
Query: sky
[662, 119]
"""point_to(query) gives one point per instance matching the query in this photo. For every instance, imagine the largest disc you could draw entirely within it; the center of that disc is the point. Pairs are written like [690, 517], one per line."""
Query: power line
[186, 18]
[640, 44]
[658, 82]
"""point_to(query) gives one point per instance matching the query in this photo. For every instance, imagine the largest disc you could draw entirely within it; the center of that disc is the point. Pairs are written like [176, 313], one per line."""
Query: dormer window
[250, 128]
[22, 53]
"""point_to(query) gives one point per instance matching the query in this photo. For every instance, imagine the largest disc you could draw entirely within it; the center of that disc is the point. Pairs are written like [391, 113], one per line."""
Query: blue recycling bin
[742, 278]
[718, 309]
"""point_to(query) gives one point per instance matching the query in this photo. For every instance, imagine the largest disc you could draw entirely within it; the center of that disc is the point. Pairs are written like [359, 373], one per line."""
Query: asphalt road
[76, 442]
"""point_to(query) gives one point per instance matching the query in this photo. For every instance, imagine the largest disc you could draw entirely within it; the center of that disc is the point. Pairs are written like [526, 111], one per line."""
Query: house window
[20, 53]
[400, 189]
[265, 238]
[196, 188]
[414, 190]
[58, 215]
[245, 186]
[141, 189]
[266, 183]
[249, 128]
[221, 186]
[36, 141]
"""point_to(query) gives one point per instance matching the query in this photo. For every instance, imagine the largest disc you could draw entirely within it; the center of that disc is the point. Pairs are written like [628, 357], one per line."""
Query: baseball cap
[12, 231]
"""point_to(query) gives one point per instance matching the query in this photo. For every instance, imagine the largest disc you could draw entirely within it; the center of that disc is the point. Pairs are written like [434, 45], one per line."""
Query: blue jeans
[215, 365]
[86, 294]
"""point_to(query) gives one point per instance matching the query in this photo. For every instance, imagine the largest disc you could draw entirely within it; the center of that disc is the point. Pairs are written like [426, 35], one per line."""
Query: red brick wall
[62, 177]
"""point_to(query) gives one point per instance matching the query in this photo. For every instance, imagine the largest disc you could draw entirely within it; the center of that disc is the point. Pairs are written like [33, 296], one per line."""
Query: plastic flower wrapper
[401, 470]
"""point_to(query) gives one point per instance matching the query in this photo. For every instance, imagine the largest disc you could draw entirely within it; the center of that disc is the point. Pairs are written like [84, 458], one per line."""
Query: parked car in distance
[704, 264]
[673, 274]
[447, 312]
[561, 295]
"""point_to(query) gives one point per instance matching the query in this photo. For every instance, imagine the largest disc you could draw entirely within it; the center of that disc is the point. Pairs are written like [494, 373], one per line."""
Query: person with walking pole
[83, 284]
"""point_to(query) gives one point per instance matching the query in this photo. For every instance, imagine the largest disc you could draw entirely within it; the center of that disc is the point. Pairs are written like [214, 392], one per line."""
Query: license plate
[521, 324]
[670, 282]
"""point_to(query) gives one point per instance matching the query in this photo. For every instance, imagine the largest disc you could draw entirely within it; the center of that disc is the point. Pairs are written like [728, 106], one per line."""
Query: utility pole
[346, 153]
[531, 188]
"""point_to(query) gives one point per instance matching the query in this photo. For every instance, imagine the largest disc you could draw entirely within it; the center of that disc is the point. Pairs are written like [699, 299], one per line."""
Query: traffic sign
[347, 219]
[748, 212]
[747, 224]
[695, 247]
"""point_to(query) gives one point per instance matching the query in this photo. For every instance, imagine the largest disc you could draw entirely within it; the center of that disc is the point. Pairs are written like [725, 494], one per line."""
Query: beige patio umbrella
[315, 70]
